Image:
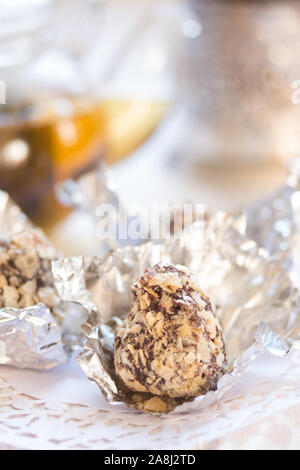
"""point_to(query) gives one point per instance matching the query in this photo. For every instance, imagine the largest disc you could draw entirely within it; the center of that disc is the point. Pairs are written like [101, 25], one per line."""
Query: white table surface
[61, 409]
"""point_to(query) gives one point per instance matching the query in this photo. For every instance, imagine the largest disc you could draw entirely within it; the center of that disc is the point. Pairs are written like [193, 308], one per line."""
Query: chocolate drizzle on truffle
[171, 343]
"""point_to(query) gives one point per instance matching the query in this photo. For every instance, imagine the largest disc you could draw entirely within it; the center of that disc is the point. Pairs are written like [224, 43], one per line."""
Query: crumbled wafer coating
[25, 270]
[171, 343]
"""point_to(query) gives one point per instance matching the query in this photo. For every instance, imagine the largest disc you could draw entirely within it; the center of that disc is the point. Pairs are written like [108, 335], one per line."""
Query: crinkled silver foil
[29, 337]
[12, 219]
[272, 223]
[256, 301]
[91, 192]
[88, 191]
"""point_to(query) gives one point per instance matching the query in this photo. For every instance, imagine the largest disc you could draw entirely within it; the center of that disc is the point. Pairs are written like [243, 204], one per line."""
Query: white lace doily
[61, 409]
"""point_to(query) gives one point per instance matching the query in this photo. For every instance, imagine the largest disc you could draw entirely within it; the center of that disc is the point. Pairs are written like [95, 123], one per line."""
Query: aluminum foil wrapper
[273, 222]
[29, 337]
[88, 191]
[12, 219]
[92, 191]
[256, 301]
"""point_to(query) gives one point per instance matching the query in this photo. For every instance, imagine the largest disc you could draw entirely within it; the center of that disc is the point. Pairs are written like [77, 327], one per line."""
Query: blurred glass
[57, 58]
[236, 71]
[50, 125]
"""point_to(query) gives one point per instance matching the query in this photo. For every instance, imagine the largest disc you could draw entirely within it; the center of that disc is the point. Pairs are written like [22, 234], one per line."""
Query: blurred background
[185, 100]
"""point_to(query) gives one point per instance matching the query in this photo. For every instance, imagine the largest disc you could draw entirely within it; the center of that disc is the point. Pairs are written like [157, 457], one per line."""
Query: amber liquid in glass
[38, 152]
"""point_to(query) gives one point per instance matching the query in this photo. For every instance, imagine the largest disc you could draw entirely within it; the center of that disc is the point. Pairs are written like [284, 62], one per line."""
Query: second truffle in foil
[25, 270]
[171, 343]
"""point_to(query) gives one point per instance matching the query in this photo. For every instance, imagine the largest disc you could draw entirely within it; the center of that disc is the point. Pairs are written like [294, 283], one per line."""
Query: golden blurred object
[67, 139]
[128, 124]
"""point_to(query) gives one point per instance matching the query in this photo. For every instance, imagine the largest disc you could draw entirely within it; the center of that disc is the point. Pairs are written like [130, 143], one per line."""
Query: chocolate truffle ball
[171, 343]
[25, 270]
